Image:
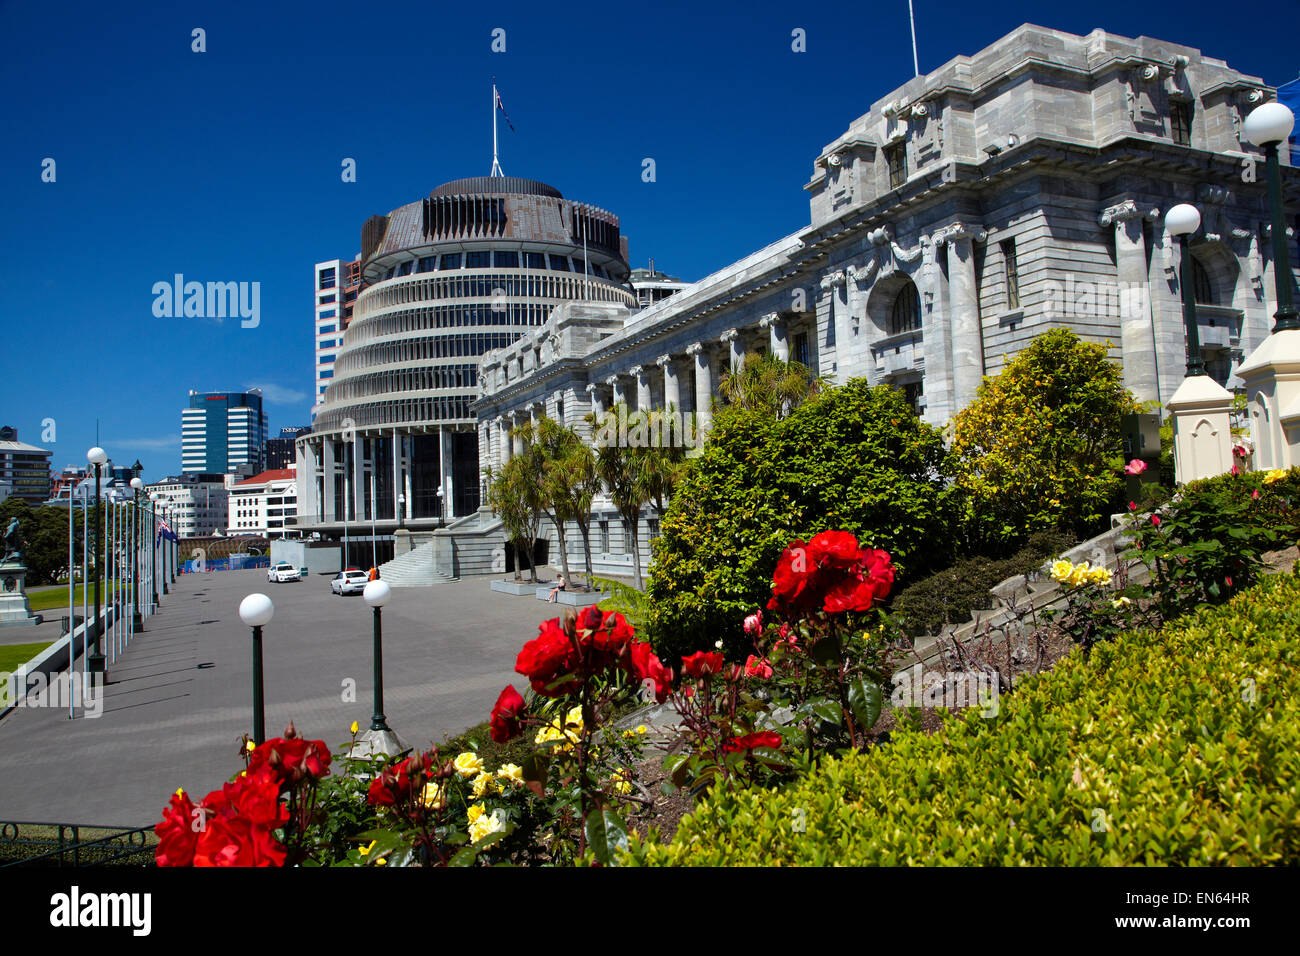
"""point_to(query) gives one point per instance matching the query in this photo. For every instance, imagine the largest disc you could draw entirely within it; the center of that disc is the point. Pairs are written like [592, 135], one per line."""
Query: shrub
[951, 595]
[1177, 747]
[1041, 446]
[854, 458]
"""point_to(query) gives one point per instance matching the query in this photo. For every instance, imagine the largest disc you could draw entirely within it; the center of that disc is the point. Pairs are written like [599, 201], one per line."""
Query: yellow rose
[482, 785]
[1061, 571]
[1099, 576]
[434, 796]
[354, 726]
[475, 811]
[1120, 602]
[486, 825]
[468, 764]
[1277, 474]
[620, 782]
[512, 772]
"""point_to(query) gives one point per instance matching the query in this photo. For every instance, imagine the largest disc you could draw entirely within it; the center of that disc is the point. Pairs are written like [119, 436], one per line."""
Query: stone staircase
[414, 569]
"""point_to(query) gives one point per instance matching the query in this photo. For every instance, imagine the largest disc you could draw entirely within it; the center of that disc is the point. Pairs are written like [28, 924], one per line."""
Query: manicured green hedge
[951, 595]
[1148, 751]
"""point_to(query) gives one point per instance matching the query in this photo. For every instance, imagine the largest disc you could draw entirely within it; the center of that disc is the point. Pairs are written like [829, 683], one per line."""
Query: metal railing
[25, 843]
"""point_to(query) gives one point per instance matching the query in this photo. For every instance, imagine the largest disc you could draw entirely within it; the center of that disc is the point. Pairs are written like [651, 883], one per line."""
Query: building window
[800, 350]
[428, 264]
[327, 314]
[896, 157]
[450, 261]
[604, 536]
[560, 263]
[1180, 122]
[905, 316]
[326, 279]
[327, 299]
[912, 392]
[505, 260]
[1013, 273]
[1202, 287]
[535, 260]
[478, 260]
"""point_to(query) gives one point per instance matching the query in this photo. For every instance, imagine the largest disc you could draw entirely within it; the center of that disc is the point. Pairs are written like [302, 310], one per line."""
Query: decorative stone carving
[1123, 211]
[957, 231]
[696, 349]
[663, 360]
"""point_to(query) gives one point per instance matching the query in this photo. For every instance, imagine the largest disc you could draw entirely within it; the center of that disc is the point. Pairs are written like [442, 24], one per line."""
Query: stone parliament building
[1003, 194]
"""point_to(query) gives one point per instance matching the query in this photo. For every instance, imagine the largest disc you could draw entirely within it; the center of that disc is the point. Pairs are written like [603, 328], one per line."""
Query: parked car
[284, 571]
[351, 581]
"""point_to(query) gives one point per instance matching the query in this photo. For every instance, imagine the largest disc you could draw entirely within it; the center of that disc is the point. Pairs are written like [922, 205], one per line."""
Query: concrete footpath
[179, 698]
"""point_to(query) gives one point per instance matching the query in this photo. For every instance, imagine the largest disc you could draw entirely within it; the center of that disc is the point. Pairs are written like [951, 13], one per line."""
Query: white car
[284, 571]
[350, 581]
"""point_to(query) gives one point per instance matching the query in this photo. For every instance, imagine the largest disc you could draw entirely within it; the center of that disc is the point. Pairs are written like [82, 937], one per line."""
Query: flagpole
[496, 162]
[85, 587]
[911, 16]
[72, 598]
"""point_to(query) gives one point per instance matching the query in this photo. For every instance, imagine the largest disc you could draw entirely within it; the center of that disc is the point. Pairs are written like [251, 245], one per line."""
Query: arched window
[905, 315]
[1202, 288]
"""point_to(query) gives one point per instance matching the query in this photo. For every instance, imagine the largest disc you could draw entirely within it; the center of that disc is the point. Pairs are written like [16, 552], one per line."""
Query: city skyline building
[223, 432]
[24, 468]
[337, 283]
[198, 502]
[263, 504]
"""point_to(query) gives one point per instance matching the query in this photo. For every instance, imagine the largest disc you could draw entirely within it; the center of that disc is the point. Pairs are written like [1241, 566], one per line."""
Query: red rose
[505, 715]
[701, 663]
[547, 658]
[831, 574]
[643, 665]
[1155, 520]
[765, 738]
[176, 833]
[291, 759]
[241, 821]
[758, 667]
[392, 785]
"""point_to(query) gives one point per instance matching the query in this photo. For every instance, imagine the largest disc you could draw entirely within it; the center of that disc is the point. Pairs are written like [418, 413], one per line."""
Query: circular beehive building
[470, 268]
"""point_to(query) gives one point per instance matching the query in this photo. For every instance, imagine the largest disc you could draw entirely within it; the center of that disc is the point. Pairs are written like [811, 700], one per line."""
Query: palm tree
[512, 495]
[765, 383]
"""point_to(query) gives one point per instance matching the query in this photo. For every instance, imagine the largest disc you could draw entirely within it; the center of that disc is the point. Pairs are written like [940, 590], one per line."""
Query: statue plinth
[14, 607]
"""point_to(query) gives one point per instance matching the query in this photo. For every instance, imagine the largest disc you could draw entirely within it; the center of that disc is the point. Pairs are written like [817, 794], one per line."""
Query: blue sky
[225, 165]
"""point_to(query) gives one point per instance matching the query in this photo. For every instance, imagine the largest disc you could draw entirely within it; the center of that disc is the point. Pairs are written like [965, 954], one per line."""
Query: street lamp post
[97, 456]
[137, 622]
[153, 546]
[379, 739]
[401, 511]
[256, 611]
[1200, 401]
[1272, 372]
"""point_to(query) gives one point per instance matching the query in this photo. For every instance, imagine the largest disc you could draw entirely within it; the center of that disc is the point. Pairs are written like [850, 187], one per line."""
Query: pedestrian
[560, 585]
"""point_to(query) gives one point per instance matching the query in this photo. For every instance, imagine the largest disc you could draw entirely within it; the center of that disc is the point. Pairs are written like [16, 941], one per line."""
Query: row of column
[323, 461]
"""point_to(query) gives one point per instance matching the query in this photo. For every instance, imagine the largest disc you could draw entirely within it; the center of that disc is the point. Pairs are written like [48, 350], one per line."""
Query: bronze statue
[12, 552]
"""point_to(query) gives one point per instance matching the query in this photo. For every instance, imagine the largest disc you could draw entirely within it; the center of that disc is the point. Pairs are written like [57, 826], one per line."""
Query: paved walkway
[180, 697]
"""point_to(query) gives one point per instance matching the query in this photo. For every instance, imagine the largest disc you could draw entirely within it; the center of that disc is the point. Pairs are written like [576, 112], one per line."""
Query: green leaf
[826, 709]
[865, 702]
[827, 650]
[606, 835]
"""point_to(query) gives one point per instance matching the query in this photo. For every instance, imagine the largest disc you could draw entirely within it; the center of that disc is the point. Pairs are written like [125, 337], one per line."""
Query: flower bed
[1180, 746]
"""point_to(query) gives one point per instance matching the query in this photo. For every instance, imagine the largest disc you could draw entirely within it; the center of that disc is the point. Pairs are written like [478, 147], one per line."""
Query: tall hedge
[1177, 747]
[853, 458]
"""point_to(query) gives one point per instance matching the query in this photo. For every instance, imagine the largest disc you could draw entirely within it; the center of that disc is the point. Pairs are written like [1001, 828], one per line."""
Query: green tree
[765, 383]
[45, 538]
[1041, 446]
[511, 495]
[853, 458]
[566, 482]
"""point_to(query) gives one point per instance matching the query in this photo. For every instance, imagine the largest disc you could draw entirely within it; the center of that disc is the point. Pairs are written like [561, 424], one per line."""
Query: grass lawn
[55, 596]
[13, 656]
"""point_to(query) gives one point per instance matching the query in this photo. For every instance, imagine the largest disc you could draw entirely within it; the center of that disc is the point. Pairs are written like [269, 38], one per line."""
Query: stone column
[963, 311]
[615, 384]
[444, 435]
[736, 343]
[1137, 328]
[516, 440]
[778, 339]
[397, 470]
[833, 285]
[597, 401]
[703, 384]
[672, 390]
[642, 387]
[327, 483]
